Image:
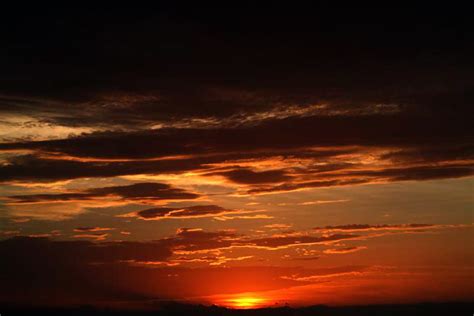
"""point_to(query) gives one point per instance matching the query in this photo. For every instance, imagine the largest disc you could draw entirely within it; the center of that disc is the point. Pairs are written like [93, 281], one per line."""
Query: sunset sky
[242, 157]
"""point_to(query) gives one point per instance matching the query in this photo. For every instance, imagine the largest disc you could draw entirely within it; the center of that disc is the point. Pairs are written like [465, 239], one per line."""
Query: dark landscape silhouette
[176, 309]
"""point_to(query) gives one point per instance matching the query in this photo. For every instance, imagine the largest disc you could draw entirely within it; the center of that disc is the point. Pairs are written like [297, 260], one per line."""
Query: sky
[237, 156]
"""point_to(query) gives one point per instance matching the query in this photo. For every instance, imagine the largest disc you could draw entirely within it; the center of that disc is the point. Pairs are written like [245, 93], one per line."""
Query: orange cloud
[196, 211]
[344, 250]
[91, 229]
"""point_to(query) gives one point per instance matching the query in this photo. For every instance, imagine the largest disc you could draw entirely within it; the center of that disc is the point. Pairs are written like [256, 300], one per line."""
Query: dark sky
[302, 54]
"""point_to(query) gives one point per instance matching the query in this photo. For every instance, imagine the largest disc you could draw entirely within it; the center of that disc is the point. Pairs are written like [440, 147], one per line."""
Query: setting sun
[245, 302]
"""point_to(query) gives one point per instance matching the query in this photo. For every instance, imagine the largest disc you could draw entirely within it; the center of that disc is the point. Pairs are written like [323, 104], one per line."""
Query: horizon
[177, 309]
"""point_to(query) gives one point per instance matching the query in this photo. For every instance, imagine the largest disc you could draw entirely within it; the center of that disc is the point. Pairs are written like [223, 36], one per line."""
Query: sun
[246, 302]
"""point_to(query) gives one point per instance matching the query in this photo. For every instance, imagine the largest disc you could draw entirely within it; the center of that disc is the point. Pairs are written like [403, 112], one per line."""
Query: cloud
[367, 227]
[80, 252]
[344, 250]
[136, 123]
[323, 202]
[420, 173]
[91, 229]
[137, 191]
[317, 202]
[294, 162]
[203, 242]
[31, 168]
[278, 226]
[352, 177]
[85, 265]
[158, 191]
[281, 242]
[305, 185]
[20, 219]
[195, 241]
[93, 270]
[95, 236]
[255, 216]
[434, 154]
[196, 211]
[329, 273]
[284, 135]
[10, 232]
[247, 176]
[211, 260]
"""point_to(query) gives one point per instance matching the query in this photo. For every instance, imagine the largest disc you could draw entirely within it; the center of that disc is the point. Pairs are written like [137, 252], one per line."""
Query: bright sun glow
[245, 302]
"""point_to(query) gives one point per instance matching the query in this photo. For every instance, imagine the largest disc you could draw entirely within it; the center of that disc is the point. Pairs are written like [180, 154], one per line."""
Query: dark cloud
[419, 173]
[189, 239]
[382, 83]
[69, 272]
[309, 175]
[80, 252]
[33, 198]
[36, 168]
[344, 57]
[136, 191]
[285, 241]
[32, 168]
[147, 190]
[275, 135]
[350, 177]
[90, 272]
[305, 185]
[247, 176]
[313, 139]
[433, 154]
[195, 211]
[197, 240]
